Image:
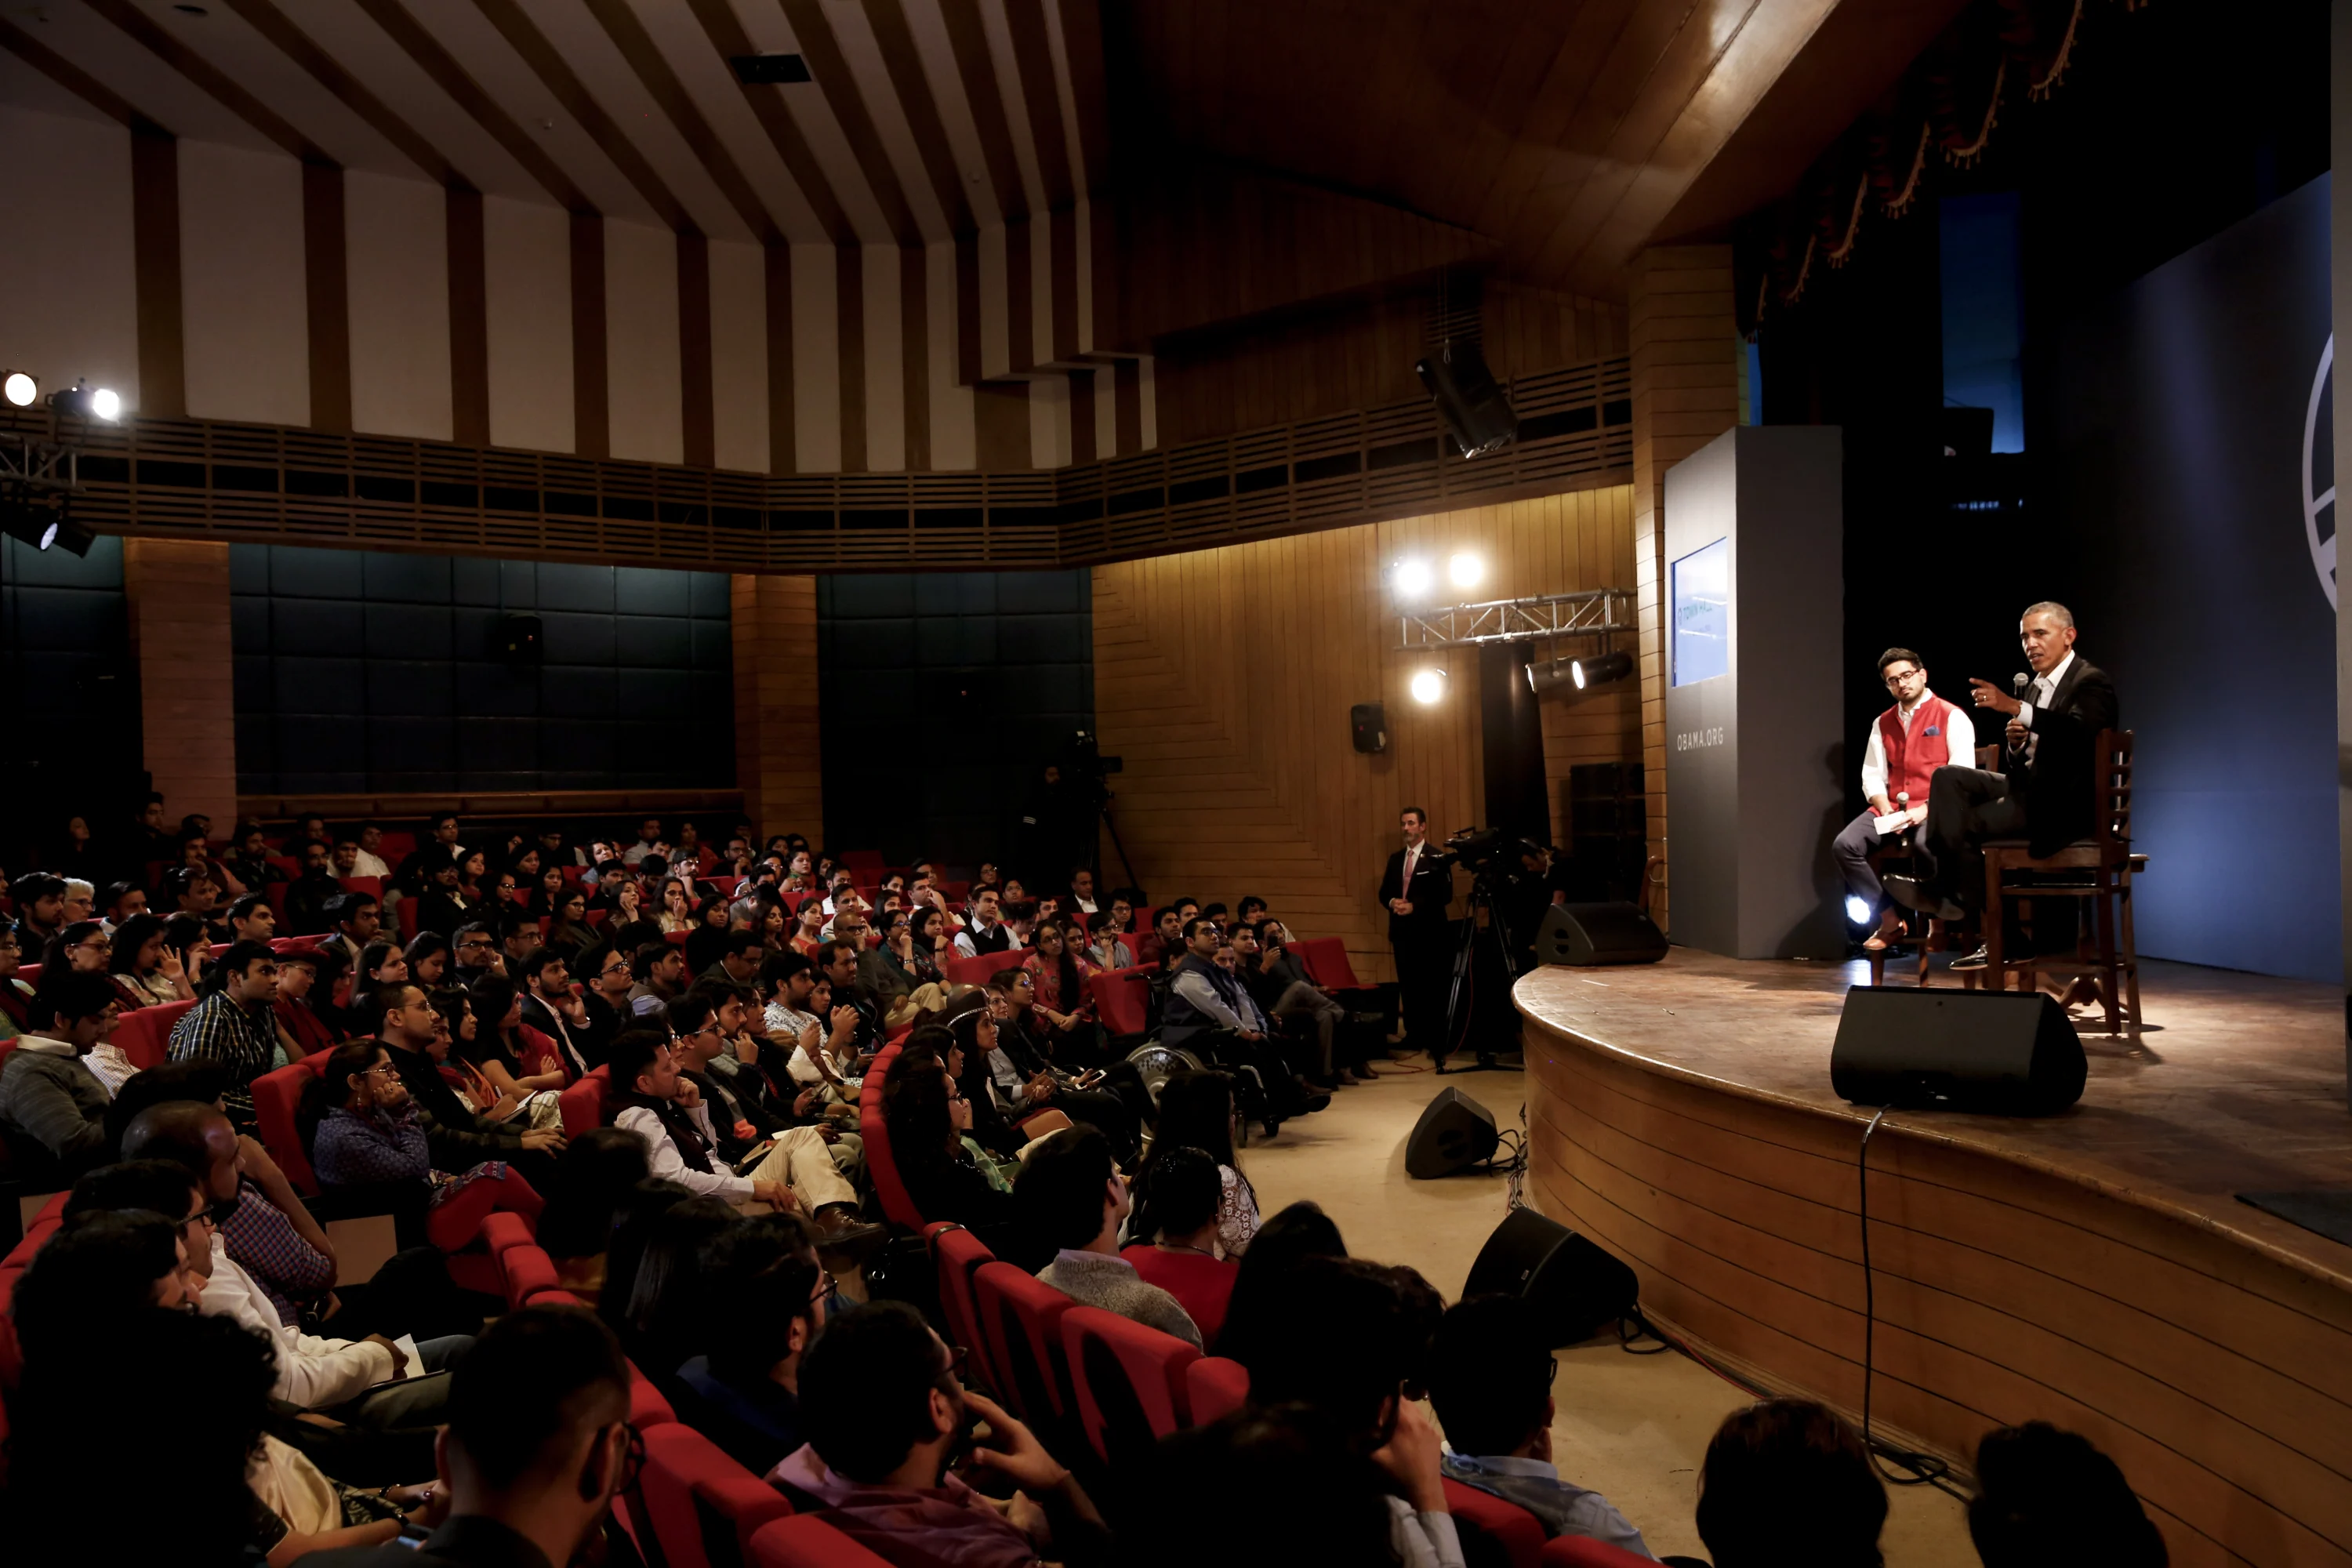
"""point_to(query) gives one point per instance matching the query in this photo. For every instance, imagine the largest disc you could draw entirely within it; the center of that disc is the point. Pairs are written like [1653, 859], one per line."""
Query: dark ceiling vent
[758, 70]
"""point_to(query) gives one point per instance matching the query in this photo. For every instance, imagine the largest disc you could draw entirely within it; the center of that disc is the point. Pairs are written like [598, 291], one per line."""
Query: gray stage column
[1756, 760]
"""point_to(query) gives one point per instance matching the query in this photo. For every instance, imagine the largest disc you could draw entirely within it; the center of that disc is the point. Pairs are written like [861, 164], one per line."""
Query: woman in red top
[1064, 1006]
[1182, 1257]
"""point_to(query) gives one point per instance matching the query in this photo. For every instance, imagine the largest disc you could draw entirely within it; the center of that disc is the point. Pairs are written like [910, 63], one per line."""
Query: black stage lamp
[1468, 400]
[1578, 674]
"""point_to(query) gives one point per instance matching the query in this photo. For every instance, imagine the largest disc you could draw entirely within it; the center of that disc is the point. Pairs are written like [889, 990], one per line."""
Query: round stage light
[1428, 686]
[20, 387]
[1413, 577]
[106, 403]
[1465, 570]
[1857, 909]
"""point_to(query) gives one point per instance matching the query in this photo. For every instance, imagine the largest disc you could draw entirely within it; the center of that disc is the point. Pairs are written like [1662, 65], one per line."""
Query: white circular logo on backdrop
[2318, 497]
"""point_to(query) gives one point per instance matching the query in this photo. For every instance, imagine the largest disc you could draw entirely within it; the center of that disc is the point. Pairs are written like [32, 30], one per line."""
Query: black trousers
[1424, 966]
[1965, 807]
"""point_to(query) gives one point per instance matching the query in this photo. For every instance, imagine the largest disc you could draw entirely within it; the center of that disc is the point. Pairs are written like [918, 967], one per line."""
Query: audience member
[236, 1026]
[40, 912]
[52, 1104]
[595, 1182]
[1490, 1375]
[1787, 1482]
[666, 1316]
[1178, 1254]
[303, 1029]
[1259, 1465]
[1285, 1241]
[766, 1285]
[885, 1416]
[1070, 1193]
[311, 899]
[1197, 1110]
[528, 1480]
[2046, 1498]
[415, 1042]
[262, 1222]
[1209, 1014]
[928, 1116]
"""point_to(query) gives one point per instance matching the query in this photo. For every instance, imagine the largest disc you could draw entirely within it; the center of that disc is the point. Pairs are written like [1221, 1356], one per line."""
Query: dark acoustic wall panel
[73, 694]
[357, 670]
[943, 695]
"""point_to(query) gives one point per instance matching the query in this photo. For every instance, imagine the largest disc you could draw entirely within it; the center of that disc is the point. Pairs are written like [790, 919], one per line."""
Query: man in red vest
[1910, 740]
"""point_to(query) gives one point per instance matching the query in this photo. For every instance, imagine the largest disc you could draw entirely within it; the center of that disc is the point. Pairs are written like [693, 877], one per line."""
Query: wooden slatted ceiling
[1224, 679]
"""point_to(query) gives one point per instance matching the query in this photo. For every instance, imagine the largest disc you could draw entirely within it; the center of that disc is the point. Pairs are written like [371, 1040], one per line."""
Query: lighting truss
[32, 466]
[1590, 612]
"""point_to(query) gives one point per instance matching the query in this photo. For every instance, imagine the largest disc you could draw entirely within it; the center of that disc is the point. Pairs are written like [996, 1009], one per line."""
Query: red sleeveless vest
[1914, 755]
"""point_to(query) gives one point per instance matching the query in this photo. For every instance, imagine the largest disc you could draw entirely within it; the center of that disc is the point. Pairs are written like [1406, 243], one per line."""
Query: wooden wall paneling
[2217, 1378]
[592, 409]
[176, 595]
[469, 326]
[849, 294]
[155, 238]
[778, 755]
[697, 420]
[777, 272]
[1224, 676]
[327, 295]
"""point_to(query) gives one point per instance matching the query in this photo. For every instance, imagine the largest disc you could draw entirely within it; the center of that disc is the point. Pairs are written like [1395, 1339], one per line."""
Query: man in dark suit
[1416, 887]
[2045, 793]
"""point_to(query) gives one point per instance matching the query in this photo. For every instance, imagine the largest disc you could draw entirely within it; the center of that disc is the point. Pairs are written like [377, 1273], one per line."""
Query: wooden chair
[2099, 868]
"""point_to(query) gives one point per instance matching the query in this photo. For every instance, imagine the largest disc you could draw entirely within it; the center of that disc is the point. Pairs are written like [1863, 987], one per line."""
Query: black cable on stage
[1924, 1470]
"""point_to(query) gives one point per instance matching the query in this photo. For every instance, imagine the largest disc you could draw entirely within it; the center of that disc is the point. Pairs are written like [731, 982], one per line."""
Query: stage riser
[2220, 1378]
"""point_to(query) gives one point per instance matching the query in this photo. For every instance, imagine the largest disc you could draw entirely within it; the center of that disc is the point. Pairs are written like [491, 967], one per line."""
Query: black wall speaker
[1468, 400]
[1454, 1132]
[1994, 1051]
[1367, 725]
[1574, 1289]
[518, 639]
[1598, 934]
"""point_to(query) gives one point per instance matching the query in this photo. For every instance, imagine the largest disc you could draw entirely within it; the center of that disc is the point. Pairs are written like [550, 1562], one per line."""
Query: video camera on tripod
[1484, 851]
[1487, 956]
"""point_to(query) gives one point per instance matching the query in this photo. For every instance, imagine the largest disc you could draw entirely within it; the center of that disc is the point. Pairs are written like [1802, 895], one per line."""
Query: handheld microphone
[2019, 684]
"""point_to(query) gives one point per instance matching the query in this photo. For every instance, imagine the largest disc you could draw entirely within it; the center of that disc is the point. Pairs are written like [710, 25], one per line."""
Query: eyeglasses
[381, 1069]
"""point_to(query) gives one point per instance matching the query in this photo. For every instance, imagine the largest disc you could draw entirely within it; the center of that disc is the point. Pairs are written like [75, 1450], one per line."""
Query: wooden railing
[269, 484]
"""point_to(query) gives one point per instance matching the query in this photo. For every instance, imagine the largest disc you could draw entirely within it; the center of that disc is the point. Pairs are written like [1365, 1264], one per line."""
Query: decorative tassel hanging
[2048, 80]
[1900, 202]
[1963, 156]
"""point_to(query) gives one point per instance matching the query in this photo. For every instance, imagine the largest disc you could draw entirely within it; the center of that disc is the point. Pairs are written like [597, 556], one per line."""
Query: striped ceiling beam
[77, 81]
[725, 31]
[152, 37]
[976, 68]
[912, 93]
[298, 46]
[1082, 51]
[821, 52]
[629, 36]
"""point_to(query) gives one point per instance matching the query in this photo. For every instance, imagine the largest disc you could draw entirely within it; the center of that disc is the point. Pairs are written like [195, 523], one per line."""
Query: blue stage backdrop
[2193, 415]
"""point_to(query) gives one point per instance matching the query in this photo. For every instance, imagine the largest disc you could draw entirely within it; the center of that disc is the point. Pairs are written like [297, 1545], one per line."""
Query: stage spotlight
[1428, 686]
[1413, 577]
[68, 536]
[1588, 673]
[82, 401]
[21, 387]
[1546, 675]
[1857, 909]
[1465, 570]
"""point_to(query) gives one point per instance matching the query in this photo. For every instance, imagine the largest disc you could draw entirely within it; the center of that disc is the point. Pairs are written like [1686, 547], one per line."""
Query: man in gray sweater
[1069, 1193]
[48, 1096]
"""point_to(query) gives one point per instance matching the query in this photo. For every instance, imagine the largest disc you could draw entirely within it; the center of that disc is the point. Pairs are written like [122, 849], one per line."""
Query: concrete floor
[1632, 1427]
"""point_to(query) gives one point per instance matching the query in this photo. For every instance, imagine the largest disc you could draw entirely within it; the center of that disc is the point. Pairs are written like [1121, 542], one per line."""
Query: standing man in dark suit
[1416, 887]
[2045, 793]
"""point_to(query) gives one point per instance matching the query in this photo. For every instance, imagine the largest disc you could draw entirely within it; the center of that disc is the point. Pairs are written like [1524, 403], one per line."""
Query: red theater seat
[371, 886]
[277, 1096]
[144, 1034]
[1129, 1383]
[1022, 1316]
[805, 1540]
[1492, 1531]
[648, 1408]
[582, 1104]
[1119, 996]
[692, 1491]
[979, 970]
[1326, 958]
[956, 1256]
[405, 910]
[1218, 1387]
[529, 1270]
[897, 1202]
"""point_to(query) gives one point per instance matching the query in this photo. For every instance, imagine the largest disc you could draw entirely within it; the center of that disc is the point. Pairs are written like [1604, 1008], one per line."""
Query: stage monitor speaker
[1469, 399]
[1367, 726]
[1999, 1052]
[1598, 934]
[1454, 1132]
[1574, 1289]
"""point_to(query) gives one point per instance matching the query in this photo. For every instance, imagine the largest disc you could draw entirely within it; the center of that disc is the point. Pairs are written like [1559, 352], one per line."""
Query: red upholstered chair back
[528, 1271]
[1129, 1383]
[805, 1540]
[1023, 1319]
[694, 1492]
[1584, 1551]
[956, 1254]
[1218, 1387]
[405, 910]
[1326, 958]
[144, 1034]
[1119, 996]
[371, 886]
[503, 1230]
[1494, 1532]
[648, 1408]
[277, 1096]
[275, 893]
[582, 1104]
[897, 1204]
[977, 970]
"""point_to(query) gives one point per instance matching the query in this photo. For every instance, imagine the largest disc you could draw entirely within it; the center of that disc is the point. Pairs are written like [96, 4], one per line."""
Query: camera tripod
[1461, 998]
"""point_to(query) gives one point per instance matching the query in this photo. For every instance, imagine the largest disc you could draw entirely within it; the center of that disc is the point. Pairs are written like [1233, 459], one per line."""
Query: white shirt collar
[2058, 672]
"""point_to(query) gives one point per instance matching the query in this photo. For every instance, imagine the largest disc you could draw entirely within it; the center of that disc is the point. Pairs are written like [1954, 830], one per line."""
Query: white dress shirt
[1959, 739]
[965, 948]
[2039, 694]
[313, 1373]
[366, 865]
[664, 1164]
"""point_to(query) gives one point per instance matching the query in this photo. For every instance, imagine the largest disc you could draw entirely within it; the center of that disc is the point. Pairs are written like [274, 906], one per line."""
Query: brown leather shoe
[840, 1231]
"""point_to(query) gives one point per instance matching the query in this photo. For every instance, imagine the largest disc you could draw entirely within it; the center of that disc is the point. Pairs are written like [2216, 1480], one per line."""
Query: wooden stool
[2100, 869]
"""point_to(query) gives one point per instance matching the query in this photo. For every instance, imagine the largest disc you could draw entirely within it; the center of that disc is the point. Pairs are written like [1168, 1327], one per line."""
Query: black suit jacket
[1432, 890]
[2056, 786]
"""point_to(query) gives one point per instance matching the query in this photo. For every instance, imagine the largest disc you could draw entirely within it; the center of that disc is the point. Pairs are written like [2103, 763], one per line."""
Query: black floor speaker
[1574, 1288]
[1598, 934]
[1454, 1132]
[2001, 1052]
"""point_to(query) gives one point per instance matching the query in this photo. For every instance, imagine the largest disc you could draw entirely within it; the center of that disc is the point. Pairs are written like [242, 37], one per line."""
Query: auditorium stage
[2094, 1268]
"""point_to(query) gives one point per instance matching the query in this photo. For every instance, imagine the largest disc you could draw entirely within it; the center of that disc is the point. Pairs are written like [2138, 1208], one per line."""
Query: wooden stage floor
[2092, 1268]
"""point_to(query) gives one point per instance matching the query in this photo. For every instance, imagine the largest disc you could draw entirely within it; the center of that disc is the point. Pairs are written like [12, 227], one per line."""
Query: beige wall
[1224, 679]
